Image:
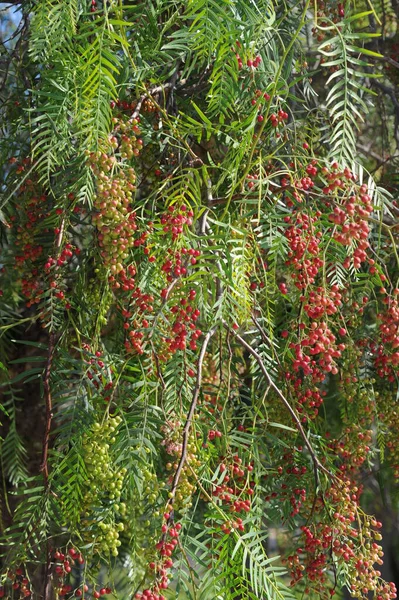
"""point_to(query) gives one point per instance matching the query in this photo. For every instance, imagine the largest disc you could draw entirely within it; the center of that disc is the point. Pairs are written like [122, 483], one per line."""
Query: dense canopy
[199, 312]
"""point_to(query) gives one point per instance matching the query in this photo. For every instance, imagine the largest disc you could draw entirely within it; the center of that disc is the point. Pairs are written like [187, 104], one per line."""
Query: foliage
[199, 326]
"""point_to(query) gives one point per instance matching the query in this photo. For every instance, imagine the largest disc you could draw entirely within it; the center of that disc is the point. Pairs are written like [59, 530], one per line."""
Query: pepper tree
[200, 308]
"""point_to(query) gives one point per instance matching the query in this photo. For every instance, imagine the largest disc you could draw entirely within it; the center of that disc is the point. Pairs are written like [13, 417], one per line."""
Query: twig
[317, 464]
[204, 229]
[47, 374]
[49, 406]
[154, 90]
[190, 414]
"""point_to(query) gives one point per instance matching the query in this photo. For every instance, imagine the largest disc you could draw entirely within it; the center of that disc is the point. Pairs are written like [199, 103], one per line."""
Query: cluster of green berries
[104, 487]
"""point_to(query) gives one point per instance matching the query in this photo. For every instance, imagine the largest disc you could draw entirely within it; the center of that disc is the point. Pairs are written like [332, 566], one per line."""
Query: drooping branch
[190, 414]
[49, 406]
[46, 377]
[318, 466]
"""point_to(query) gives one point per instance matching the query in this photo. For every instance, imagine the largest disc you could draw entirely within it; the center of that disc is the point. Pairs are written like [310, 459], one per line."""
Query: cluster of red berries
[336, 178]
[31, 239]
[210, 405]
[308, 398]
[278, 118]
[19, 584]
[309, 561]
[260, 96]
[296, 497]
[183, 328]
[165, 547]
[387, 354]
[304, 253]
[352, 225]
[52, 266]
[354, 533]
[317, 351]
[327, 11]
[252, 180]
[252, 63]
[229, 526]
[321, 302]
[175, 219]
[349, 539]
[65, 255]
[235, 490]
[177, 262]
[289, 488]
[140, 305]
[352, 448]
[123, 105]
[63, 563]
[33, 207]
[97, 371]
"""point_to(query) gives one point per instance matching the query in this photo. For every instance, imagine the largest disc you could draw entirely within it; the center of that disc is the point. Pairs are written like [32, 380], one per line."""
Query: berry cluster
[17, 584]
[177, 262]
[278, 118]
[63, 563]
[387, 352]
[317, 352]
[141, 305]
[305, 254]
[183, 326]
[175, 218]
[124, 137]
[104, 486]
[159, 567]
[32, 208]
[289, 491]
[348, 540]
[235, 490]
[173, 447]
[308, 398]
[251, 63]
[351, 222]
[327, 11]
[114, 219]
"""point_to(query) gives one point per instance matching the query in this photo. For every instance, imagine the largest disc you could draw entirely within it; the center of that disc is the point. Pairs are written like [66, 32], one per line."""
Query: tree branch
[190, 414]
[153, 91]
